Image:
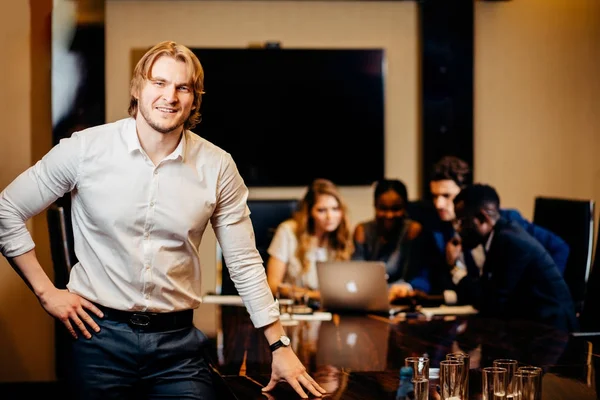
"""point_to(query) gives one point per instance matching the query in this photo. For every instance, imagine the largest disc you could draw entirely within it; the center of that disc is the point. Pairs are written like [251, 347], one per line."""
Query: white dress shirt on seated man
[138, 226]
[460, 269]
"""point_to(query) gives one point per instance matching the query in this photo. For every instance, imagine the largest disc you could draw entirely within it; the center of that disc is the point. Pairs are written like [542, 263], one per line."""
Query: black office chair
[589, 321]
[266, 215]
[61, 243]
[573, 221]
[63, 259]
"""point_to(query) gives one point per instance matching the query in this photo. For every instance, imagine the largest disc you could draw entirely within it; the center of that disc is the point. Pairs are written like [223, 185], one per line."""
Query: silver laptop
[355, 286]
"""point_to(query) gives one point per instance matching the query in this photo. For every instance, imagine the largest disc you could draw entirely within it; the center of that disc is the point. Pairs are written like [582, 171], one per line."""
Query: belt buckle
[140, 319]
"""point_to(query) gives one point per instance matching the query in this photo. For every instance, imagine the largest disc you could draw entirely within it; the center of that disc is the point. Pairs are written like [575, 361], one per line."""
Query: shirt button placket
[149, 217]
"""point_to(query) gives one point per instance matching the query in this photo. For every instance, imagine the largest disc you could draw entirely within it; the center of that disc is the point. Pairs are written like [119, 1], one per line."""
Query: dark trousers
[123, 362]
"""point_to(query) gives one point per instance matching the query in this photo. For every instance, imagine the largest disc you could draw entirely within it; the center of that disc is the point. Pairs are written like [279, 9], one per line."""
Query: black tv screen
[288, 116]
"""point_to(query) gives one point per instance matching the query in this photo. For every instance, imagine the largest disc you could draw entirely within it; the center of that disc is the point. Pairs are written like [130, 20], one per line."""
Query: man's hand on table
[287, 367]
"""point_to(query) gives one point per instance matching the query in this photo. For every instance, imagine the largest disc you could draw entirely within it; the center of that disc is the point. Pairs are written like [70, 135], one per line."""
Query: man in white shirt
[143, 190]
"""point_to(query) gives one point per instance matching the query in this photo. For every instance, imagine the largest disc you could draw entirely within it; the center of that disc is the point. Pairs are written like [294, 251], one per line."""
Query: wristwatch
[283, 341]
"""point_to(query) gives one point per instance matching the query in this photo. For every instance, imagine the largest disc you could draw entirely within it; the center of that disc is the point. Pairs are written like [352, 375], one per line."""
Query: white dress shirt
[137, 227]
[460, 269]
[285, 245]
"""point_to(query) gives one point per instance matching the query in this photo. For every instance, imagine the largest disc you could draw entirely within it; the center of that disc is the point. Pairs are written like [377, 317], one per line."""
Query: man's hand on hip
[71, 309]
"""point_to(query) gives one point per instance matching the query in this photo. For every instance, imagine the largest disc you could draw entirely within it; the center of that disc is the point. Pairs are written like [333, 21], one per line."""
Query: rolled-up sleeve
[247, 271]
[233, 229]
[34, 190]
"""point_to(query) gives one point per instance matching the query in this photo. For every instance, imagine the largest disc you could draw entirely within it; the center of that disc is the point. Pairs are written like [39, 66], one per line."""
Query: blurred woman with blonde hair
[318, 231]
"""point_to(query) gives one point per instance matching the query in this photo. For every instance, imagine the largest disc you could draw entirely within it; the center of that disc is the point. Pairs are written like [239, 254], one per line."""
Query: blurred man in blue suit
[519, 279]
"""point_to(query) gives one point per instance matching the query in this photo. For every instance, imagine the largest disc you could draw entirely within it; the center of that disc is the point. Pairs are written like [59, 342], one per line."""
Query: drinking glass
[421, 389]
[493, 384]
[466, 360]
[419, 366]
[451, 379]
[511, 368]
[529, 382]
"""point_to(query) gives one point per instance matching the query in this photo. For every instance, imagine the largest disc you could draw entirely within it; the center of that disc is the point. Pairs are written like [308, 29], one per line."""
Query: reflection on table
[359, 356]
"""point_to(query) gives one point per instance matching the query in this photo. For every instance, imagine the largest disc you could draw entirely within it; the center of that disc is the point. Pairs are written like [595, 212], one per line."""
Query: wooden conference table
[359, 356]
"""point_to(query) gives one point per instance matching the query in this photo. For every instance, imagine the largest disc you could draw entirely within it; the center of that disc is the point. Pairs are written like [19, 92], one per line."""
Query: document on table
[315, 316]
[448, 310]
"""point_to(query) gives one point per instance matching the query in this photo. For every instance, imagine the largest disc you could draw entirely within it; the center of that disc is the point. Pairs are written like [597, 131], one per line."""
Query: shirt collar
[133, 142]
[179, 151]
[488, 244]
[130, 136]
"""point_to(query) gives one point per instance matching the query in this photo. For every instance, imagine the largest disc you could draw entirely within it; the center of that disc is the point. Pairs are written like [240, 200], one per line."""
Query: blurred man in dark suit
[519, 279]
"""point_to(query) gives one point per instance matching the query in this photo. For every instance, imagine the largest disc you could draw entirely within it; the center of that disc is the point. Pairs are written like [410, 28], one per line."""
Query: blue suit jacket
[554, 244]
[519, 281]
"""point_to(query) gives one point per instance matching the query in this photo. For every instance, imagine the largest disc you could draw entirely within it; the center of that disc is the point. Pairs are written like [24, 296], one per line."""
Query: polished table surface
[359, 356]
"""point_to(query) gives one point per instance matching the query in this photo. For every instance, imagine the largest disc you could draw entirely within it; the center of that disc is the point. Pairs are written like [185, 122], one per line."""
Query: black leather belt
[149, 321]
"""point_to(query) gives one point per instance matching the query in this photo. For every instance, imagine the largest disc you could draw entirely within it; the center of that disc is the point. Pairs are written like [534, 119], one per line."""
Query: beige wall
[537, 99]
[26, 331]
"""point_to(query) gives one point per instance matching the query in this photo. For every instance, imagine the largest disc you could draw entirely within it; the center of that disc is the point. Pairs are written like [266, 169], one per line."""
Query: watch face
[285, 340]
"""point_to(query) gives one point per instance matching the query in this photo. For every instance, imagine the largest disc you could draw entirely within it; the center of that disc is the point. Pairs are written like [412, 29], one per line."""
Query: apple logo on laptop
[351, 287]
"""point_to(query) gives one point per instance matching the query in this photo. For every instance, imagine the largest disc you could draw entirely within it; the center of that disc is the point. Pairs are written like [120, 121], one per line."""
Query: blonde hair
[340, 244]
[142, 71]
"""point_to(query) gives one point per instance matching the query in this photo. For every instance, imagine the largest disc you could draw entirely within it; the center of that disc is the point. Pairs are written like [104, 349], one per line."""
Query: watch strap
[276, 345]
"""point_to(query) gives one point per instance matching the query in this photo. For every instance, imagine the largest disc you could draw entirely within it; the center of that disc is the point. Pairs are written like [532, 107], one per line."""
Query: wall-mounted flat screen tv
[288, 116]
